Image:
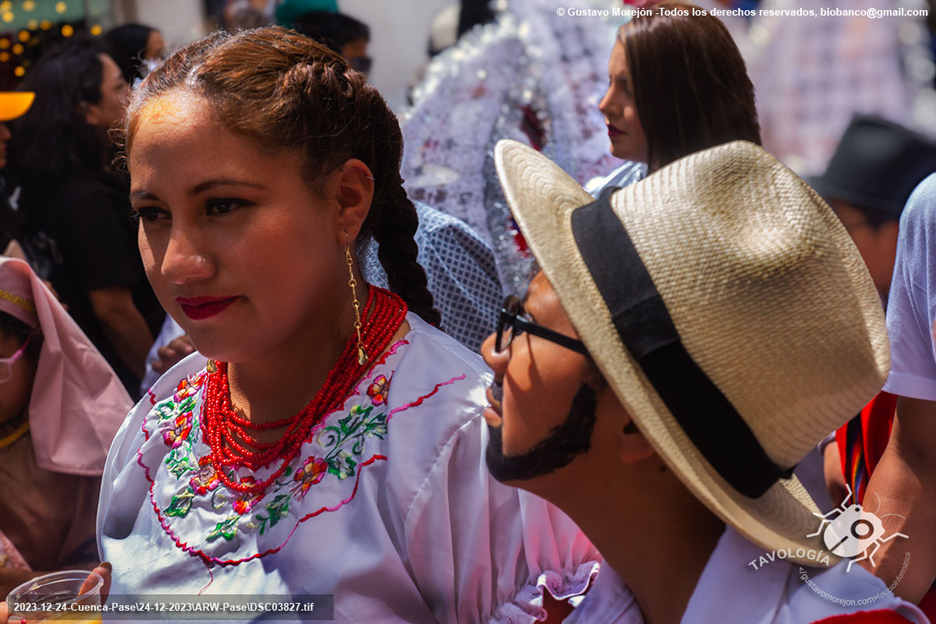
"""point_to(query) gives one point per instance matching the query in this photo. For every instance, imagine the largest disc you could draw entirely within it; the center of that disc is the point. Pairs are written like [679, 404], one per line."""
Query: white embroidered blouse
[389, 505]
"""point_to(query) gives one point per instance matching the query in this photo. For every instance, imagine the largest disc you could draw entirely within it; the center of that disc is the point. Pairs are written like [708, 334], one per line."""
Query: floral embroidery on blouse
[378, 390]
[335, 450]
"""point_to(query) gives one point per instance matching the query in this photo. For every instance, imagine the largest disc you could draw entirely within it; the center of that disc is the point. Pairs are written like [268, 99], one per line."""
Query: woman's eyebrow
[210, 184]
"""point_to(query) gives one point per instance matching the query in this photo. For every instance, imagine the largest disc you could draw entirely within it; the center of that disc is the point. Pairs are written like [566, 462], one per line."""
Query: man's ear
[632, 445]
[354, 191]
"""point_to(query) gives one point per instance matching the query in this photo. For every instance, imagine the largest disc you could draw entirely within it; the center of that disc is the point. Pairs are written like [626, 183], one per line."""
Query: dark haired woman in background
[60, 154]
[677, 85]
[334, 441]
[131, 46]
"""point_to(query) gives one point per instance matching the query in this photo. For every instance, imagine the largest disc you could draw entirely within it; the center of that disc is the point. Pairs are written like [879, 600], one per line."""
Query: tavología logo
[849, 531]
[854, 533]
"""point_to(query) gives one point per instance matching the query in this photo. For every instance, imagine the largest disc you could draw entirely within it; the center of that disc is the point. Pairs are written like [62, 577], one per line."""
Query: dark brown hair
[691, 88]
[286, 92]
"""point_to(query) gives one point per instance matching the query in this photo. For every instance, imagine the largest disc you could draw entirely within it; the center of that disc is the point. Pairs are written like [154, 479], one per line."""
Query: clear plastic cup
[69, 596]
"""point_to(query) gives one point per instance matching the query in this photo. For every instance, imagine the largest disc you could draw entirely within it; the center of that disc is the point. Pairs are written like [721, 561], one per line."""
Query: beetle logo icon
[854, 533]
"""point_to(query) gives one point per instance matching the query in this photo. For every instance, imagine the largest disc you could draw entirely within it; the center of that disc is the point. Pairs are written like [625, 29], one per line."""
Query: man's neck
[655, 534]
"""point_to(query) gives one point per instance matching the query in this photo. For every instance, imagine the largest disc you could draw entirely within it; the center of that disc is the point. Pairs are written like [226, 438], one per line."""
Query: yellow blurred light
[18, 48]
[45, 24]
[20, 72]
[61, 7]
[29, 5]
[6, 5]
[32, 24]
[4, 43]
[4, 57]
[23, 35]
[96, 30]
[7, 17]
[67, 30]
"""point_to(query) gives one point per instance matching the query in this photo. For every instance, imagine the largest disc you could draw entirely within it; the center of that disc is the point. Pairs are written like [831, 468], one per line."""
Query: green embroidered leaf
[362, 411]
[226, 529]
[342, 465]
[178, 465]
[278, 508]
[262, 525]
[181, 503]
[187, 404]
[165, 410]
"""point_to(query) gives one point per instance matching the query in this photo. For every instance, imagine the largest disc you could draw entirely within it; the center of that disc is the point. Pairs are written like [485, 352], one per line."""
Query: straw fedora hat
[752, 328]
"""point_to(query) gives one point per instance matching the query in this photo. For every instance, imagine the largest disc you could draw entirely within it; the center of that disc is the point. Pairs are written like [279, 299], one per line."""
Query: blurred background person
[132, 46]
[874, 169]
[60, 406]
[61, 155]
[871, 176]
[342, 33]
[12, 105]
[876, 166]
[706, 87]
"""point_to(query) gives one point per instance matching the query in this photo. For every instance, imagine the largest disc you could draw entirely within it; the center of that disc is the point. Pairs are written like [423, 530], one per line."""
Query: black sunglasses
[511, 324]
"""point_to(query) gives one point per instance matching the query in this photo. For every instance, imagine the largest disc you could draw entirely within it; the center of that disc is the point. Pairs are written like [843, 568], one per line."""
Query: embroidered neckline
[334, 456]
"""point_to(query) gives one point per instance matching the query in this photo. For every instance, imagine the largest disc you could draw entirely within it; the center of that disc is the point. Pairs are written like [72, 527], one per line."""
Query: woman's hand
[104, 570]
[172, 353]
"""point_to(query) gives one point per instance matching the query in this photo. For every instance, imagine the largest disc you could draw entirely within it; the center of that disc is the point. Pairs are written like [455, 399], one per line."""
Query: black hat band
[645, 327]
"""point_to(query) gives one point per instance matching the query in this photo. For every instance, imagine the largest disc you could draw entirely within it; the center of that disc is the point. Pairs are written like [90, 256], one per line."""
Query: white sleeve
[912, 299]
[481, 551]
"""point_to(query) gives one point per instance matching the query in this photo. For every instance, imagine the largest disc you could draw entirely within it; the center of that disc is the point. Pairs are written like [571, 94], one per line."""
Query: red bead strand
[225, 432]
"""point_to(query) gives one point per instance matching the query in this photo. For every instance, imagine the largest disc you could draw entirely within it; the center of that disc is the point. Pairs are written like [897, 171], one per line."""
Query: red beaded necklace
[226, 433]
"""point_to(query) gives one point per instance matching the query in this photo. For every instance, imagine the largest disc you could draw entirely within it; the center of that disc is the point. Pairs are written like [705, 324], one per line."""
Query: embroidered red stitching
[195, 552]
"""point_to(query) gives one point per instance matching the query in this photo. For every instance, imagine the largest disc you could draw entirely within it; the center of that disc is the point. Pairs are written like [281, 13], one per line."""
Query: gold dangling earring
[361, 354]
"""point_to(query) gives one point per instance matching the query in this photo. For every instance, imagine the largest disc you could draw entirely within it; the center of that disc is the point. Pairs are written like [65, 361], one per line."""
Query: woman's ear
[354, 191]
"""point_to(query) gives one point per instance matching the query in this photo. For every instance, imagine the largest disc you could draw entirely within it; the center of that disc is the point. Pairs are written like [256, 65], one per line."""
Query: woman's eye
[224, 206]
[146, 214]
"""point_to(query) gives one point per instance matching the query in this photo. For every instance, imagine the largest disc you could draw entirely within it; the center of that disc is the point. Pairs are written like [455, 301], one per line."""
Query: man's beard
[564, 443]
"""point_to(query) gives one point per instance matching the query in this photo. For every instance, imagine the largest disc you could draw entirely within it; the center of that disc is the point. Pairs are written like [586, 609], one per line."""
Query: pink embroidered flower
[311, 472]
[182, 426]
[378, 390]
[188, 387]
[246, 501]
[206, 479]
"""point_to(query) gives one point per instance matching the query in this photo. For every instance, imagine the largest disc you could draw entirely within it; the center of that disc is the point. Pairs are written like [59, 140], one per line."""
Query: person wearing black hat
[877, 165]
[876, 171]
[869, 178]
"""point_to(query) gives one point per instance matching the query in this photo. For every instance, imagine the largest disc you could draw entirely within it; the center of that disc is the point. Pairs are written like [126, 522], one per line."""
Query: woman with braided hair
[333, 441]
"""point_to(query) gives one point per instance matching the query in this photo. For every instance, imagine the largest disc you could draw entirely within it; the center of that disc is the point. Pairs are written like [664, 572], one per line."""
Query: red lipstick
[613, 132]
[198, 308]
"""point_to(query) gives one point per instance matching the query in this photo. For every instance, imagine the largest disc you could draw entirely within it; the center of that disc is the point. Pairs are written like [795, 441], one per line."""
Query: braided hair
[287, 92]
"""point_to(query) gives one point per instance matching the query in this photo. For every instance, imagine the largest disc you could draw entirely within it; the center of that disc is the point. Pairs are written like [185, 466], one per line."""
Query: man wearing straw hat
[689, 339]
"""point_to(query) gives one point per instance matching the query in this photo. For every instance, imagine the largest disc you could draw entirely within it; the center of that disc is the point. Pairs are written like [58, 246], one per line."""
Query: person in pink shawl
[60, 406]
